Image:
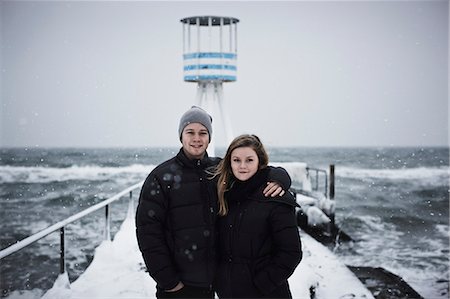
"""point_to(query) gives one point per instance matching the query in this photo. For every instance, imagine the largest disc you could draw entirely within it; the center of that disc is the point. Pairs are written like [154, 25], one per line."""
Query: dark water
[393, 201]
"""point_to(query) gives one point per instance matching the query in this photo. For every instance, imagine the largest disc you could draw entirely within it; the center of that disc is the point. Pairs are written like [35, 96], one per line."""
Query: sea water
[394, 203]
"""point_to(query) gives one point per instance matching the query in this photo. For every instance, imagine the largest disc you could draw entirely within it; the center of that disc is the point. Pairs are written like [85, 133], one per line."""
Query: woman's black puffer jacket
[259, 244]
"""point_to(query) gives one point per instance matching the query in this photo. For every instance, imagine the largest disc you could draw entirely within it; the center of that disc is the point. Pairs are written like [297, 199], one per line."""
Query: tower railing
[61, 225]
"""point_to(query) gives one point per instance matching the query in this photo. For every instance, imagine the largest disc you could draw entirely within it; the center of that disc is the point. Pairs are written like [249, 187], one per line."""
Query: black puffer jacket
[259, 243]
[176, 230]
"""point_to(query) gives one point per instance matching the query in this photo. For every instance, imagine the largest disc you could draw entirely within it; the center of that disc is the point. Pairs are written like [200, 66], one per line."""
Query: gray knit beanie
[195, 115]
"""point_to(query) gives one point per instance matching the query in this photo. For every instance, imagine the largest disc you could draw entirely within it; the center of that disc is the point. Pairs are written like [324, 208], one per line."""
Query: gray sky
[100, 74]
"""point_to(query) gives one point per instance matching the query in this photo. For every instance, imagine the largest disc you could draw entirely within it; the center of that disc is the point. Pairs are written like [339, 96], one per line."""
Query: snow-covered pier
[118, 271]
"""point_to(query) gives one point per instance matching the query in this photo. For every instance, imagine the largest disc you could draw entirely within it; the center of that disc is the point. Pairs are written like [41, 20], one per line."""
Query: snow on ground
[118, 271]
[322, 270]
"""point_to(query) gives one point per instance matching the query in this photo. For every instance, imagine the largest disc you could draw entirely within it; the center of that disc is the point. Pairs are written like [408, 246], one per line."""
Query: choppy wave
[434, 176]
[420, 173]
[23, 174]
[25, 294]
[27, 174]
[443, 229]
[382, 244]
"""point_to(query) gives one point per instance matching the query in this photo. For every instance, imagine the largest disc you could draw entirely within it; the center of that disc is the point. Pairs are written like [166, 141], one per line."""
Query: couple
[208, 225]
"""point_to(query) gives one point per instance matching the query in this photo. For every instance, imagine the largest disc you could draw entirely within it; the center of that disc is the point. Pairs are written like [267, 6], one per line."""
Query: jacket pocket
[242, 282]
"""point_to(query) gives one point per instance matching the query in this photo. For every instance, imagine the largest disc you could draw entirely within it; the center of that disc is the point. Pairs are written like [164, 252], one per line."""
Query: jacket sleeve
[151, 233]
[287, 252]
[281, 176]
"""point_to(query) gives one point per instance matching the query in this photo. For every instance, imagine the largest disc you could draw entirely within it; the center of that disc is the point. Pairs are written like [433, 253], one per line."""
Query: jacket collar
[194, 163]
[241, 190]
[253, 189]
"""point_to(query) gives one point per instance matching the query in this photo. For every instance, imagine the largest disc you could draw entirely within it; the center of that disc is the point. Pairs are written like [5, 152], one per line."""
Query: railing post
[332, 189]
[62, 261]
[331, 181]
[130, 205]
[317, 180]
[107, 224]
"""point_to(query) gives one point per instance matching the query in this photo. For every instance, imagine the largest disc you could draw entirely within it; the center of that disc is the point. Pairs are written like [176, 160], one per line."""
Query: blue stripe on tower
[210, 67]
[210, 77]
[209, 55]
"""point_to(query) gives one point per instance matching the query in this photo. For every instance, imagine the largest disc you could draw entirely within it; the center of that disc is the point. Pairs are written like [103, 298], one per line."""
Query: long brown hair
[224, 171]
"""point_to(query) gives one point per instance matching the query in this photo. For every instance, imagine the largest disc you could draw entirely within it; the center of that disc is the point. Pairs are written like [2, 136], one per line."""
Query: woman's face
[244, 163]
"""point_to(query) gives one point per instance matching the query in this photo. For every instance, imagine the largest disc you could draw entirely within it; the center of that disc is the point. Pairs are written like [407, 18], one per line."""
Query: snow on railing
[60, 225]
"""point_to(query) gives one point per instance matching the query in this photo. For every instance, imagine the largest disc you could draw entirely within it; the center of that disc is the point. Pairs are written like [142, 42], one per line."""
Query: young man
[177, 211]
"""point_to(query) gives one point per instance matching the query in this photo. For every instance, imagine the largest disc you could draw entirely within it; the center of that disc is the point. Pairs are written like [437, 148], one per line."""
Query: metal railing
[60, 225]
[318, 171]
[327, 188]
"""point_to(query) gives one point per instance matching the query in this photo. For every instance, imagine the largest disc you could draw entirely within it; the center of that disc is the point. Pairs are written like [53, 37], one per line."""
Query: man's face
[195, 140]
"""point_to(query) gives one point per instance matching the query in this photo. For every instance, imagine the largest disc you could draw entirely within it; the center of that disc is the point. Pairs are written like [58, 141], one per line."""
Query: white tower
[209, 54]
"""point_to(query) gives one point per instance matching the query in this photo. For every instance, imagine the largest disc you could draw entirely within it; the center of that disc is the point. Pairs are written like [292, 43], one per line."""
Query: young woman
[259, 244]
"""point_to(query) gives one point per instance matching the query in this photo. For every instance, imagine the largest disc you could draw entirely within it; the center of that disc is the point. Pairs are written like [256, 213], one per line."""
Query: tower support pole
[209, 106]
[225, 120]
[201, 93]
